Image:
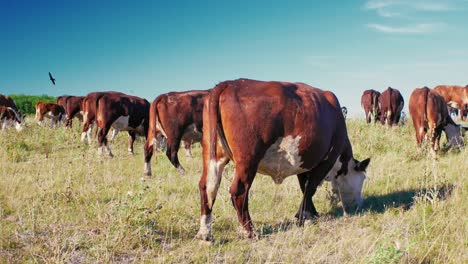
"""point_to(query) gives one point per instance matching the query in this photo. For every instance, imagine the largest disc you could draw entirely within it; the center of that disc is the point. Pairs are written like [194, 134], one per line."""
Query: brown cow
[429, 113]
[176, 116]
[370, 103]
[455, 96]
[53, 111]
[124, 113]
[390, 103]
[278, 129]
[89, 108]
[9, 117]
[73, 109]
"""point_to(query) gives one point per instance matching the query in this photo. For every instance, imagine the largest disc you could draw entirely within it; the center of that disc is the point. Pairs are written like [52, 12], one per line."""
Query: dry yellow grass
[61, 202]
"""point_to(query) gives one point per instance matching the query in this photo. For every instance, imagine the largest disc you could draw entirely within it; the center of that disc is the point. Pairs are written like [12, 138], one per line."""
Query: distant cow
[53, 111]
[124, 113]
[430, 116]
[176, 116]
[390, 103]
[7, 101]
[9, 117]
[455, 96]
[89, 109]
[370, 103]
[73, 109]
[278, 129]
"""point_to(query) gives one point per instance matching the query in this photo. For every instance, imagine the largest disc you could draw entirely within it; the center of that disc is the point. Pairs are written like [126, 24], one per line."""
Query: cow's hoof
[244, 234]
[307, 218]
[181, 170]
[204, 236]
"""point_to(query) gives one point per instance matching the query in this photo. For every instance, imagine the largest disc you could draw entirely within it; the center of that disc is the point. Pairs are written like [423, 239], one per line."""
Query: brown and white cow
[52, 111]
[176, 116]
[124, 113]
[430, 116]
[10, 117]
[89, 109]
[7, 101]
[390, 103]
[370, 103]
[455, 96]
[278, 129]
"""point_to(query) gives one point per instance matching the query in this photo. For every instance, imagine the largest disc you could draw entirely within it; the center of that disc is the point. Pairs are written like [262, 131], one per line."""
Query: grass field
[62, 203]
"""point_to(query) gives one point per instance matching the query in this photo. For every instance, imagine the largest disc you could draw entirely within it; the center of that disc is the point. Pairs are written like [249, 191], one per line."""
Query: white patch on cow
[160, 128]
[85, 116]
[213, 178]
[89, 133]
[347, 187]
[205, 227]
[453, 104]
[18, 126]
[282, 159]
[114, 133]
[83, 137]
[454, 136]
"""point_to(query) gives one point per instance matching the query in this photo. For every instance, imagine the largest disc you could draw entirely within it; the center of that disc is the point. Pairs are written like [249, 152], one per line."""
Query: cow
[455, 96]
[89, 108]
[73, 109]
[390, 103]
[430, 116]
[53, 111]
[10, 117]
[278, 129]
[124, 113]
[370, 103]
[176, 116]
[7, 101]
[344, 110]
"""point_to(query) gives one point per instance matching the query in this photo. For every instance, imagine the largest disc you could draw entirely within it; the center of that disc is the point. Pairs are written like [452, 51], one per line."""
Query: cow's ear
[362, 166]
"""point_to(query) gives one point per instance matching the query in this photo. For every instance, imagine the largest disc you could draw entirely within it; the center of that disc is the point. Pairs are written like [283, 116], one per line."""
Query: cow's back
[272, 111]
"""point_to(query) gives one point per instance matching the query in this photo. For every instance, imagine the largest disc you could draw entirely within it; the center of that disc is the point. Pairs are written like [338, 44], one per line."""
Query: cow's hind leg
[172, 151]
[244, 175]
[209, 185]
[148, 152]
[131, 140]
[102, 140]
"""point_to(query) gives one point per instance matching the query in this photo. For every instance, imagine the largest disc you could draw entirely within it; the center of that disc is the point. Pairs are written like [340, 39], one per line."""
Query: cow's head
[347, 181]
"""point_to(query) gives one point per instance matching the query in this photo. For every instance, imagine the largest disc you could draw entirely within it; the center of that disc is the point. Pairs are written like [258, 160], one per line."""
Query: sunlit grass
[61, 202]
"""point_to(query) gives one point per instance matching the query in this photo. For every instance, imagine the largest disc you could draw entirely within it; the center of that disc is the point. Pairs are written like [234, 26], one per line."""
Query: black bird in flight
[51, 78]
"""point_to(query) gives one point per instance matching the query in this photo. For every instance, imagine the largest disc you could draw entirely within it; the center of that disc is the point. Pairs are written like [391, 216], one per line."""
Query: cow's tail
[215, 126]
[426, 98]
[154, 120]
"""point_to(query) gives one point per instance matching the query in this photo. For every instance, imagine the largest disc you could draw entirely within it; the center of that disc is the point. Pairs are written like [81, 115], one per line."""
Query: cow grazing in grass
[124, 113]
[9, 117]
[73, 109]
[278, 129]
[176, 116]
[455, 96]
[430, 116]
[7, 101]
[52, 111]
[89, 108]
[370, 104]
[390, 103]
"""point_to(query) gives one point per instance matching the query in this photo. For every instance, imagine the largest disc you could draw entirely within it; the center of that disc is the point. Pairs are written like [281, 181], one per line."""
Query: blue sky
[147, 48]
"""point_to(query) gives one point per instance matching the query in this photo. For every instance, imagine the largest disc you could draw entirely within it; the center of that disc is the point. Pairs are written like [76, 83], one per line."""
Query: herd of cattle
[274, 128]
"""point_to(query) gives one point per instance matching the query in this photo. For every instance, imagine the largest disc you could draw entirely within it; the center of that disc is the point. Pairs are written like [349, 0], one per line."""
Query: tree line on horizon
[26, 103]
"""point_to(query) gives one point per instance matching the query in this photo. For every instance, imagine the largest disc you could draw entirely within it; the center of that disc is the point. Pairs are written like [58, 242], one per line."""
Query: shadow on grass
[401, 199]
